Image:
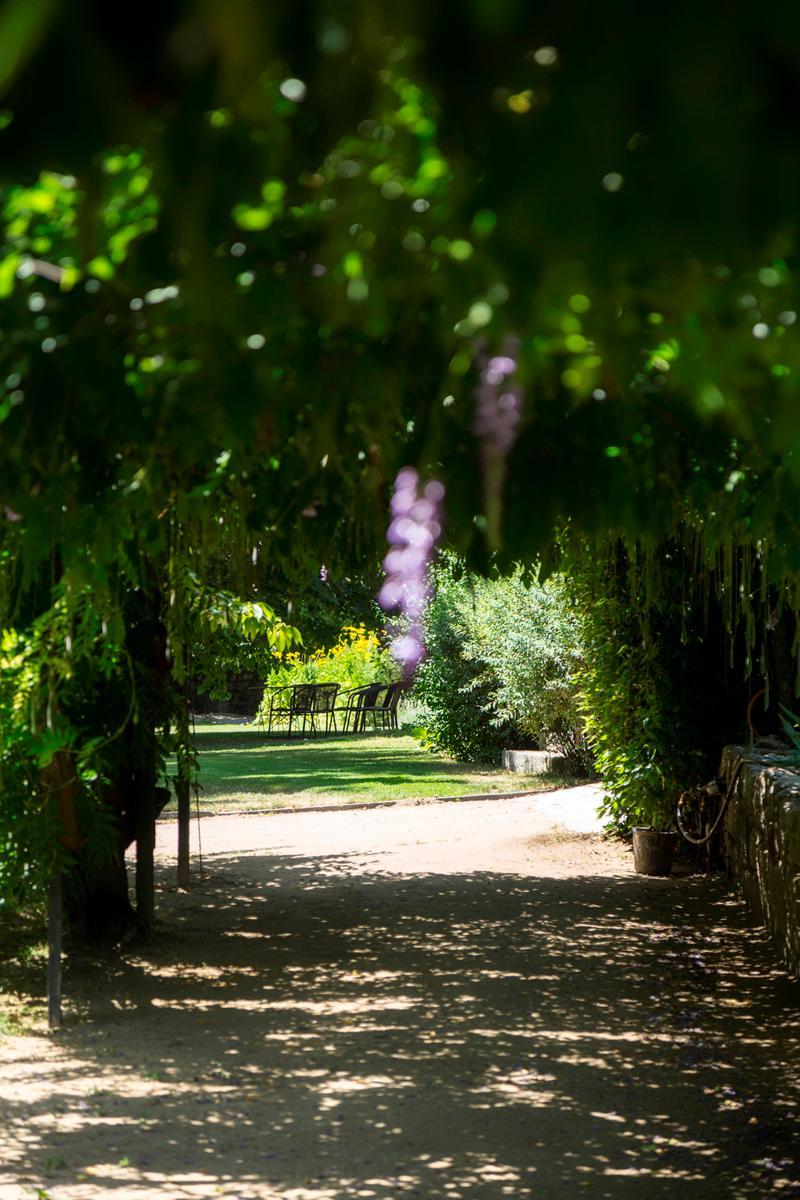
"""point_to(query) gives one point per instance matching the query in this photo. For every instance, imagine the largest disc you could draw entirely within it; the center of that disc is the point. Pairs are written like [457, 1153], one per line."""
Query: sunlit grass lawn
[240, 769]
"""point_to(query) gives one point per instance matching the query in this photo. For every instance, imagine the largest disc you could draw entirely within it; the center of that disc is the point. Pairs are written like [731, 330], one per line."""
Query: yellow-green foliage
[359, 657]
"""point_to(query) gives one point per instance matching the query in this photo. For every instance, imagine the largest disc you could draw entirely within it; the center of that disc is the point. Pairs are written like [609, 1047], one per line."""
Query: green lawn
[241, 770]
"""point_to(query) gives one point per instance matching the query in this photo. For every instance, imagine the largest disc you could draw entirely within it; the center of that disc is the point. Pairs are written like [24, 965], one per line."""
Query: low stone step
[531, 762]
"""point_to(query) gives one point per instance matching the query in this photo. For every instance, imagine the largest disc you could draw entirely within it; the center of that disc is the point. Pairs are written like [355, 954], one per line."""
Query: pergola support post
[55, 926]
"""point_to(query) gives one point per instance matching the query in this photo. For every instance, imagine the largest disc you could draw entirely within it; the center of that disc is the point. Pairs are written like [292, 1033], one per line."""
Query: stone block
[531, 762]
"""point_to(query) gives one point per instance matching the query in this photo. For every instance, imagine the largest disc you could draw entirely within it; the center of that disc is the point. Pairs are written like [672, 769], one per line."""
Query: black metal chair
[360, 701]
[386, 711]
[325, 705]
[390, 702]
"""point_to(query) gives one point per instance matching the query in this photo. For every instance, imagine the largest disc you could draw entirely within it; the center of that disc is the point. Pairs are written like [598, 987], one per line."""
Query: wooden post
[55, 1017]
[147, 644]
[145, 847]
[183, 792]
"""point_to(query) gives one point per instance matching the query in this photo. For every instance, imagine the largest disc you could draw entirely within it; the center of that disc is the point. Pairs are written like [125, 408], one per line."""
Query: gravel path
[463, 1000]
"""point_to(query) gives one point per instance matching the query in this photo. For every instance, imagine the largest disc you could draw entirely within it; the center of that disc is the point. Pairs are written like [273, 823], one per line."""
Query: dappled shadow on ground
[310, 1031]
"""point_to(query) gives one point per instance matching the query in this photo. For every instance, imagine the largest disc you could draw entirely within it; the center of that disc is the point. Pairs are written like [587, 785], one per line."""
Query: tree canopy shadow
[312, 1030]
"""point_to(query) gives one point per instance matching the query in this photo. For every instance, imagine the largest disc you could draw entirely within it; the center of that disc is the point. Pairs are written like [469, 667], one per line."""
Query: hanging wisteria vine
[498, 410]
[415, 528]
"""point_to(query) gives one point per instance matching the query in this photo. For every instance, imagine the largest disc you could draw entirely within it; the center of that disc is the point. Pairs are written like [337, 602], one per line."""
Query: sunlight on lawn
[240, 769]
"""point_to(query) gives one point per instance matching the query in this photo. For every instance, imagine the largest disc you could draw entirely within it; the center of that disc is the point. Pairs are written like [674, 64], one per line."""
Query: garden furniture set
[312, 708]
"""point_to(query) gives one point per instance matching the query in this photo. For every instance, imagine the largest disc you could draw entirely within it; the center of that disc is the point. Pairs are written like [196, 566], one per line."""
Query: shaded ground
[240, 769]
[441, 1001]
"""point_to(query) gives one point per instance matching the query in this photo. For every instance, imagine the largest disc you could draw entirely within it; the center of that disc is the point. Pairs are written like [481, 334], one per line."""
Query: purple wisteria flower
[498, 401]
[498, 410]
[414, 530]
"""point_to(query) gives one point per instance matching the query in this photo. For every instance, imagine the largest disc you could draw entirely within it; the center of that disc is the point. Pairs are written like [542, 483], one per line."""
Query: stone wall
[762, 841]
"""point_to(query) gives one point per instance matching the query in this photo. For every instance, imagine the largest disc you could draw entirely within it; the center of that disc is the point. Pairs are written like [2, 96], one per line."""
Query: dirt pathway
[437, 1001]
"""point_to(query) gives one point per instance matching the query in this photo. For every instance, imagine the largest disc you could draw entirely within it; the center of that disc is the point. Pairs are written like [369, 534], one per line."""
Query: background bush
[359, 657]
[455, 697]
[502, 665]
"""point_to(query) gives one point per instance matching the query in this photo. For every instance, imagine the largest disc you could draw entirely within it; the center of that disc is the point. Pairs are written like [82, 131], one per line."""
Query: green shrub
[502, 658]
[650, 685]
[526, 638]
[34, 732]
[455, 696]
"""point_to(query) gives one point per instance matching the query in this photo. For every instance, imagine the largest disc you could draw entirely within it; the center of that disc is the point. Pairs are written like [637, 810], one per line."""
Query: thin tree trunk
[145, 847]
[182, 790]
[54, 939]
[147, 644]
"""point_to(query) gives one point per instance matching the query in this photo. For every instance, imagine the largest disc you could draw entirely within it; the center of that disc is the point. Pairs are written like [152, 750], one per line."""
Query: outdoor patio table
[311, 705]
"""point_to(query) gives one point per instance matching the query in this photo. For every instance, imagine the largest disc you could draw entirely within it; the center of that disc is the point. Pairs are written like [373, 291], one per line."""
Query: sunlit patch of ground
[241, 770]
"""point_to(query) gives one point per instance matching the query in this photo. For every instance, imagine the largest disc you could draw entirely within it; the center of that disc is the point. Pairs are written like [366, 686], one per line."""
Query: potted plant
[654, 843]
